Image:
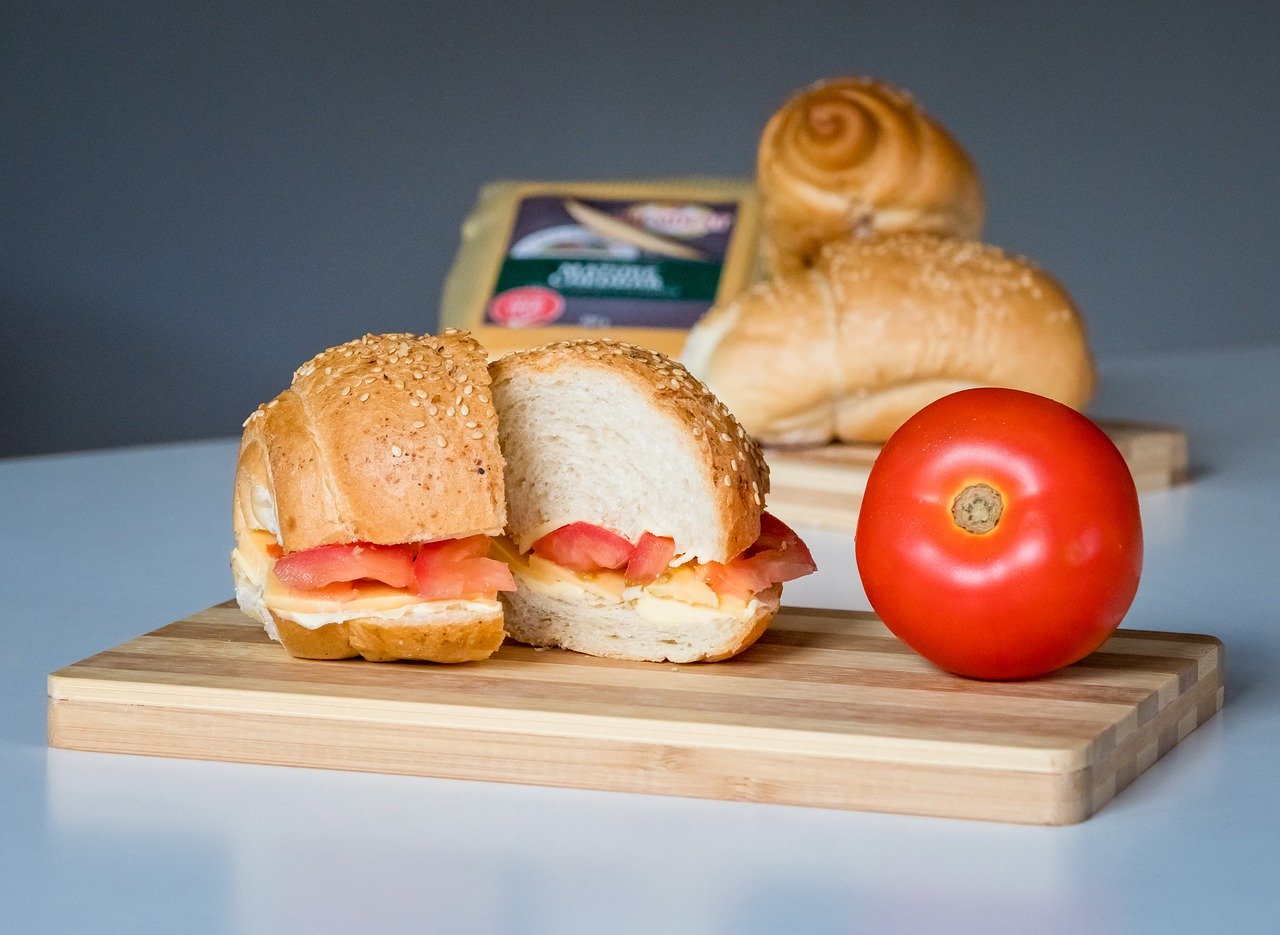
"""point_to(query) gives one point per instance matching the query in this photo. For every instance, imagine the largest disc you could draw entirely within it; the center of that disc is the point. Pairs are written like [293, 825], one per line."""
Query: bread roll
[880, 327]
[389, 439]
[852, 155]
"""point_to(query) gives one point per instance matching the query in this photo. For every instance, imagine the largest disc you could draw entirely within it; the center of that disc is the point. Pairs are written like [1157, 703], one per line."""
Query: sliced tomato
[777, 555]
[337, 591]
[650, 558]
[314, 568]
[584, 548]
[738, 578]
[458, 568]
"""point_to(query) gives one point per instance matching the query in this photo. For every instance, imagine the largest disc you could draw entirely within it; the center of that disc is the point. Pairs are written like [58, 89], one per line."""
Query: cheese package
[636, 261]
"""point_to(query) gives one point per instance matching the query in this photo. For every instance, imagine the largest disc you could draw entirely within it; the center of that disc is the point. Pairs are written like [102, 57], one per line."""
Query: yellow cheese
[682, 584]
[679, 595]
[606, 584]
[635, 261]
[370, 596]
[254, 553]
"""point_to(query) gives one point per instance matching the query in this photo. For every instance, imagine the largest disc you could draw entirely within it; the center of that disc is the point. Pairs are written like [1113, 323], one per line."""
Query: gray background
[196, 197]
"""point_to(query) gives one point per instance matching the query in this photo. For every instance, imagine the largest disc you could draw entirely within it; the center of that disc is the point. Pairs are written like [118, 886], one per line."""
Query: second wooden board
[822, 487]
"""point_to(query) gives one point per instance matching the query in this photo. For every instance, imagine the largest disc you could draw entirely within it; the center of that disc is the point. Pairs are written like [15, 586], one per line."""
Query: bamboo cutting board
[828, 709]
[823, 486]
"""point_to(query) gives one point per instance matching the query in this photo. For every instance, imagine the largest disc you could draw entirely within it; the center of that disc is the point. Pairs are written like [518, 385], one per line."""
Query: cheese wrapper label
[637, 261]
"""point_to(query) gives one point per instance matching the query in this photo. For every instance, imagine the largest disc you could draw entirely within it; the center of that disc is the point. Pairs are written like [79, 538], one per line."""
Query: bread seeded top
[401, 428]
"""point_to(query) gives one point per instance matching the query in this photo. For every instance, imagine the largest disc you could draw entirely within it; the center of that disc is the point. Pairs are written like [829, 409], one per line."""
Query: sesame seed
[363, 397]
[449, 412]
[477, 434]
[414, 402]
[727, 481]
[471, 425]
[464, 410]
[399, 384]
[466, 390]
[724, 437]
[346, 391]
[697, 430]
[421, 394]
[440, 441]
[419, 424]
[396, 451]
[433, 410]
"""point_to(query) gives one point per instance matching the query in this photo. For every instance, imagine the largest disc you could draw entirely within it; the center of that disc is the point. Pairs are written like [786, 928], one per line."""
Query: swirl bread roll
[364, 497]
[852, 155]
[879, 328]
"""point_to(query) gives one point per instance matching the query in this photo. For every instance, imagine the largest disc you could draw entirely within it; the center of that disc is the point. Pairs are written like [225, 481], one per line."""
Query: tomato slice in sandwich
[584, 548]
[650, 558]
[324, 565]
[458, 568]
[777, 555]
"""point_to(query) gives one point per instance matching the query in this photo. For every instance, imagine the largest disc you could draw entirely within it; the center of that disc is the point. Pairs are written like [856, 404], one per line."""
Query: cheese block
[635, 261]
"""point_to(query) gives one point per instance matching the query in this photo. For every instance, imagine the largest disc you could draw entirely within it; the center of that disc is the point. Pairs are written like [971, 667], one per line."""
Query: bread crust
[856, 155]
[387, 439]
[879, 328]
[449, 642]
[731, 458]
[617, 631]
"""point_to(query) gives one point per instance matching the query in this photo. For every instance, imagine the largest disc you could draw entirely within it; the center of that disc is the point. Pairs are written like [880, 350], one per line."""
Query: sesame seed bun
[387, 439]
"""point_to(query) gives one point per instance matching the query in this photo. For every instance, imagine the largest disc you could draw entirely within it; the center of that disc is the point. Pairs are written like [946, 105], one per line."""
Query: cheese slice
[676, 595]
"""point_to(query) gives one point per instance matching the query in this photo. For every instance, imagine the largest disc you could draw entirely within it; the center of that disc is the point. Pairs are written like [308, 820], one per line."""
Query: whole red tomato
[999, 535]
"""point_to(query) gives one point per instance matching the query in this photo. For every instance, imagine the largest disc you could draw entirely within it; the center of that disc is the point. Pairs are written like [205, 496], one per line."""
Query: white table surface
[98, 548]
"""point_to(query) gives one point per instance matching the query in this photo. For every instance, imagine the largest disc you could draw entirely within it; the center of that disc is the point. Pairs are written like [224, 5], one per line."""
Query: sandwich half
[635, 508]
[366, 496]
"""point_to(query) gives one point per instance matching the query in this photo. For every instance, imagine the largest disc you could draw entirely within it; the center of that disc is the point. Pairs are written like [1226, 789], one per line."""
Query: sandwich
[366, 495]
[635, 508]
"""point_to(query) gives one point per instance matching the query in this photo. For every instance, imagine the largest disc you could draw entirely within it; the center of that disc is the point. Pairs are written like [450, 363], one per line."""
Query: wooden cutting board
[828, 709]
[823, 486]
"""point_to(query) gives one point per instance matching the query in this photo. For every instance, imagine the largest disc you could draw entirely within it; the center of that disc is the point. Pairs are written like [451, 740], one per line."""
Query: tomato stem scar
[977, 508]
